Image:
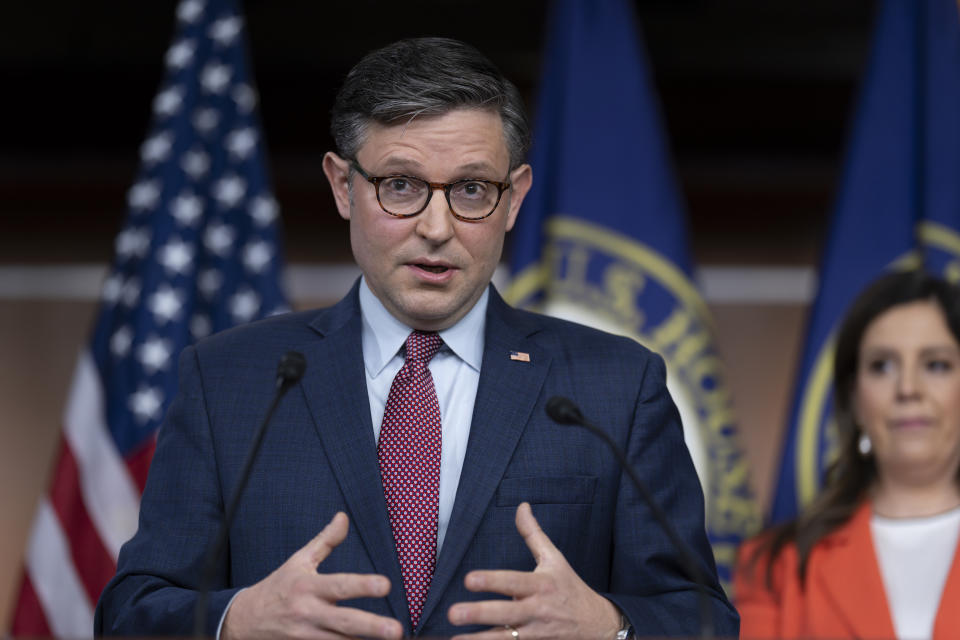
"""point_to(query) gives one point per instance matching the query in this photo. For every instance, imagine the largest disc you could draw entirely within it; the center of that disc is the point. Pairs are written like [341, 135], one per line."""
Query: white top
[456, 374]
[915, 555]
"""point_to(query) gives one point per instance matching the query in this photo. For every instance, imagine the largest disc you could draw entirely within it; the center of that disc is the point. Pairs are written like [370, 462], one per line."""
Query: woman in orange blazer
[875, 555]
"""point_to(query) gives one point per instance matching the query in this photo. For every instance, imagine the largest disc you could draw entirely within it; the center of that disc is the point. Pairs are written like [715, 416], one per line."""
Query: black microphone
[289, 371]
[564, 411]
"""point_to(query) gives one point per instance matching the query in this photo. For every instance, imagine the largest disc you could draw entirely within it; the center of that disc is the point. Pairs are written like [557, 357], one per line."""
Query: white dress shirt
[456, 374]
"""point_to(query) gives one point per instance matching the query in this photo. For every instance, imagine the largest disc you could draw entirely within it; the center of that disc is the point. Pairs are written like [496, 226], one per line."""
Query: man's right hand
[296, 601]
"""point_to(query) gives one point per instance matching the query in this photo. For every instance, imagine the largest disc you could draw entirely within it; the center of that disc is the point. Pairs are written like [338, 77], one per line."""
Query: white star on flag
[225, 30]
[176, 256]
[240, 142]
[112, 288]
[154, 354]
[181, 54]
[219, 239]
[168, 101]
[205, 120]
[245, 97]
[120, 341]
[165, 304]
[145, 403]
[132, 242]
[190, 10]
[229, 191]
[131, 292]
[244, 304]
[256, 256]
[143, 195]
[209, 282]
[156, 149]
[215, 77]
[200, 326]
[187, 208]
[196, 163]
[264, 210]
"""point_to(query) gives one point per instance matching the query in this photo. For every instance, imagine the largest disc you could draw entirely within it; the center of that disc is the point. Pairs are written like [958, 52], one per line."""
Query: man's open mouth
[433, 268]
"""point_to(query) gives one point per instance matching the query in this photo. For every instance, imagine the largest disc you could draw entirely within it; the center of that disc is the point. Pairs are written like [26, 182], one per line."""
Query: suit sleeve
[648, 580]
[158, 572]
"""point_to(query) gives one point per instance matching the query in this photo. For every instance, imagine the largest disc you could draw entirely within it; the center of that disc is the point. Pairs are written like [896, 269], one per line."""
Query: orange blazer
[844, 595]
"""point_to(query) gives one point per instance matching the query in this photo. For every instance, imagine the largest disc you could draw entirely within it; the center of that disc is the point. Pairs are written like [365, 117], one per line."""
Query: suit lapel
[854, 583]
[336, 392]
[506, 395]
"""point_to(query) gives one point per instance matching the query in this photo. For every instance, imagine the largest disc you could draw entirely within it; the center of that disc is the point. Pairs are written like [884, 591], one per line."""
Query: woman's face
[907, 394]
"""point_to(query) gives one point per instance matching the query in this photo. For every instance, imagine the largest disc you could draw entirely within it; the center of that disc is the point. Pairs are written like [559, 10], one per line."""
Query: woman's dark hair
[850, 475]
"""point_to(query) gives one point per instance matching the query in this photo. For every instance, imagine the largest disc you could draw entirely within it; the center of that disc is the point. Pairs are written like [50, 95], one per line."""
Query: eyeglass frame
[433, 186]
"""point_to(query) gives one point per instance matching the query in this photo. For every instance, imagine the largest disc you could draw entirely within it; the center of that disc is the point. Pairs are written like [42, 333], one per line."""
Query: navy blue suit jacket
[319, 457]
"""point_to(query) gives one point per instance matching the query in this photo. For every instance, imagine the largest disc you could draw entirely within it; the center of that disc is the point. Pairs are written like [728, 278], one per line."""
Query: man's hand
[296, 601]
[549, 602]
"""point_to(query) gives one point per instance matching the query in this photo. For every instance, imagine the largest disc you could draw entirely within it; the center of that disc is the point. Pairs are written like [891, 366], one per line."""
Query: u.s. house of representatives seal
[600, 278]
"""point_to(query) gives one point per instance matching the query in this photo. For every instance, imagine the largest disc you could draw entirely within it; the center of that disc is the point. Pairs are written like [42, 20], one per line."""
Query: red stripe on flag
[138, 462]
[94, 564]
[28, 616]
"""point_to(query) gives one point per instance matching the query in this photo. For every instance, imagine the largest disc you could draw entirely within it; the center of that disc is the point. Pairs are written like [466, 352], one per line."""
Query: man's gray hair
[425, 76]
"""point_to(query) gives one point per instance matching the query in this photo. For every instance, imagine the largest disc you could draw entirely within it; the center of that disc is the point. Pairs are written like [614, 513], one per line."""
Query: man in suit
[417, 442]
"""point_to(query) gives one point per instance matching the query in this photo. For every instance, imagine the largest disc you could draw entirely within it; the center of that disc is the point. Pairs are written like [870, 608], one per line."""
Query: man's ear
[337, 171]
[521, 179]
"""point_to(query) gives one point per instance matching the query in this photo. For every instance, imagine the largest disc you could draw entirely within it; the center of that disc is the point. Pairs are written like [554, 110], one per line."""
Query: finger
[355, 622]
[317, 550]
[516, 584]
[334, 587]
[493, 612]
[537, 541]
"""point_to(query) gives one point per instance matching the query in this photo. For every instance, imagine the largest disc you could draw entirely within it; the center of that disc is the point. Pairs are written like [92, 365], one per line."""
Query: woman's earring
[864, 445]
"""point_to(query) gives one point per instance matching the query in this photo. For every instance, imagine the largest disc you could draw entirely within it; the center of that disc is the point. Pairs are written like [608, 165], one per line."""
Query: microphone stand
[564, 411]
[289, 371]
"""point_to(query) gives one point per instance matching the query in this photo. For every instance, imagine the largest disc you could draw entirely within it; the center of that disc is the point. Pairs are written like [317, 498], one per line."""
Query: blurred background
[756, 98]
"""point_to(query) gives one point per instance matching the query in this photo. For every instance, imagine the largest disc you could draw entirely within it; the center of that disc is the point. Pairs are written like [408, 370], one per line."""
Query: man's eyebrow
[476, 166]
[416, 169]
[402, 165]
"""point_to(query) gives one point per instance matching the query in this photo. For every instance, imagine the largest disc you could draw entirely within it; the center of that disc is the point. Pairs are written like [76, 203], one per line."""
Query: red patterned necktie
[409, 454]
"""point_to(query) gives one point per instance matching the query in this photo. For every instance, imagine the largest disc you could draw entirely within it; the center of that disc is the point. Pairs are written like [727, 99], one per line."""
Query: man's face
[429, 270]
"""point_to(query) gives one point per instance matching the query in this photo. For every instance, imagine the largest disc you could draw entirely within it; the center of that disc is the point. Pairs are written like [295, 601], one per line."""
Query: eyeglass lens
[468, 198]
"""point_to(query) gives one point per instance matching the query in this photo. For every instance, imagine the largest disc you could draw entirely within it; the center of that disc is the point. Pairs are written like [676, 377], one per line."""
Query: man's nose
[435, 223]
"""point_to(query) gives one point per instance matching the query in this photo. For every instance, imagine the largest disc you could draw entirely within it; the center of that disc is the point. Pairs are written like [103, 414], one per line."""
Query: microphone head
[291, 367]
[564, 411]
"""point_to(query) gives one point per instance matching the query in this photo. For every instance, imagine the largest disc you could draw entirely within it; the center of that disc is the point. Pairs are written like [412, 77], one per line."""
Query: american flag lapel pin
[520, 356]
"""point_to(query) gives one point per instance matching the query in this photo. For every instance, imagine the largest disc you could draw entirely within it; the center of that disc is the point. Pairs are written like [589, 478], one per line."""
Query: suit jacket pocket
[546, 490]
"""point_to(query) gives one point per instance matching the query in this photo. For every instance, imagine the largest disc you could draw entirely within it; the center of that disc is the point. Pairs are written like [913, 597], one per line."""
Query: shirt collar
[384, 335]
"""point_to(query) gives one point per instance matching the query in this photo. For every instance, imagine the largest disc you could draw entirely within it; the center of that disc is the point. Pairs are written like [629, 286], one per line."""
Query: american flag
[199, 252]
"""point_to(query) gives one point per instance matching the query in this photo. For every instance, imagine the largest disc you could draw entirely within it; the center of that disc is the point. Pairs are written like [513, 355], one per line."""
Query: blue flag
[602, 238]
[898, 207]
[199, 252]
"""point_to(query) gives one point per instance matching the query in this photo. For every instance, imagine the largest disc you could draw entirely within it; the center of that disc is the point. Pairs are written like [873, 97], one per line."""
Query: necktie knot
[422, 346]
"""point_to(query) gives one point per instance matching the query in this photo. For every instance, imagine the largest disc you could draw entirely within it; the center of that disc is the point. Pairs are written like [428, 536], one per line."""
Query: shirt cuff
[224, 615]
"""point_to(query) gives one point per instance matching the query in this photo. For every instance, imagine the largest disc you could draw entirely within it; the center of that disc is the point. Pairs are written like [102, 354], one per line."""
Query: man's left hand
[549, 602]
